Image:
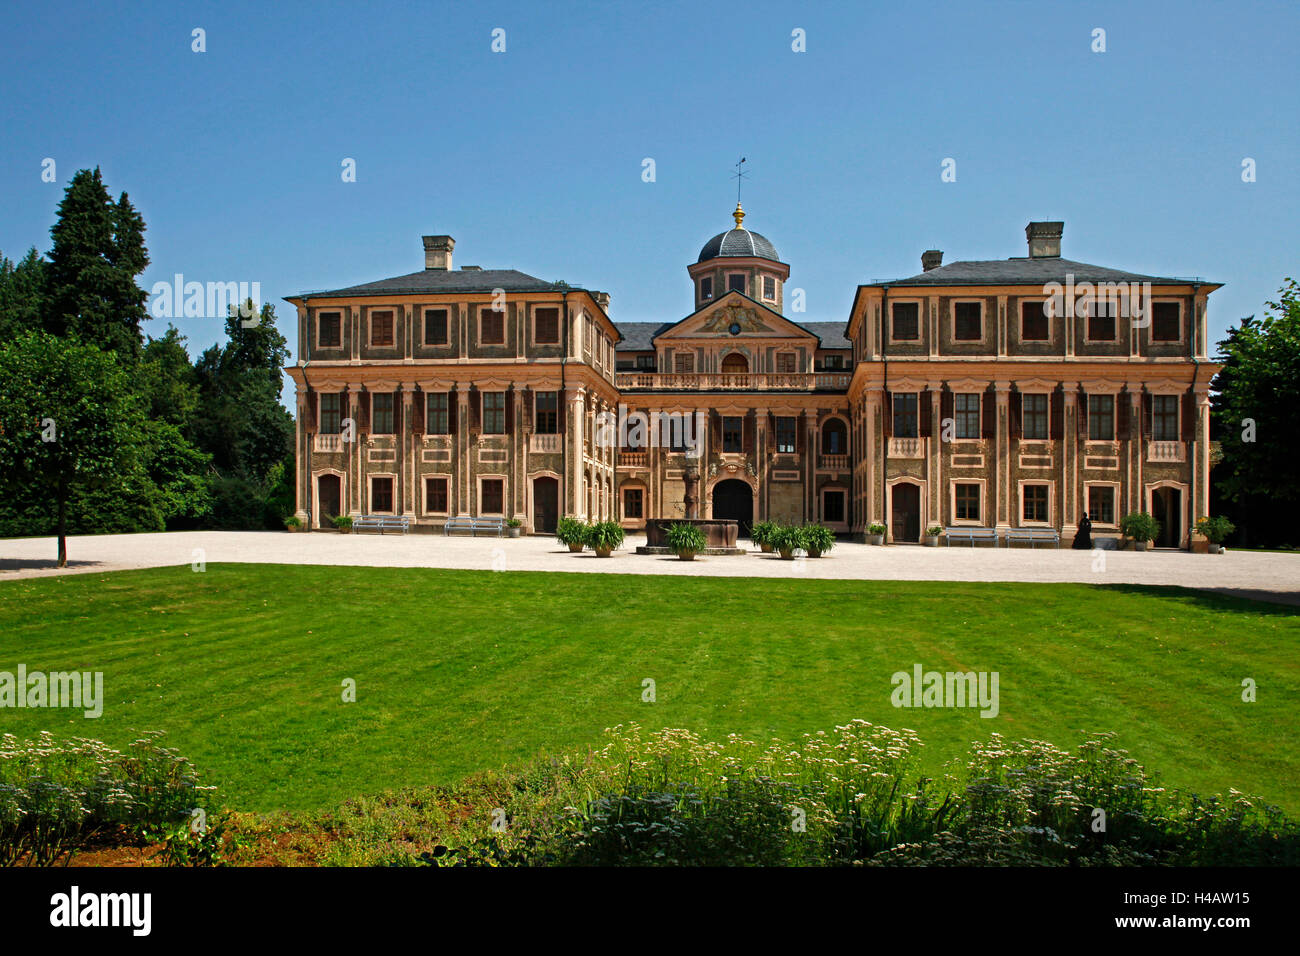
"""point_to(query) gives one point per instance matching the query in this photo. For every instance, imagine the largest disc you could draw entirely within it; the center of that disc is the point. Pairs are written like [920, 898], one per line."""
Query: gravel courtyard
[1262, 576]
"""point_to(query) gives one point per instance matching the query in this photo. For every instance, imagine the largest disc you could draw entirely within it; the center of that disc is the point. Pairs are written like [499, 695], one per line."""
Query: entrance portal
[733, 499]
[328, 500]
[1167, 508]
[546, 505]
[905, 520]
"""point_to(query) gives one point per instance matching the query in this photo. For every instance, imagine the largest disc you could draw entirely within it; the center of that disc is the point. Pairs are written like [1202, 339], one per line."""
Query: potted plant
[1215, 530]
[293, 523]
[686, 539]
[343, 524]
[761, 534]
[513, 527]
[572, 532]
[818, 539]
[876, 534]
[604, 536]
[1139, 527]
[787, 539]
[931, 539]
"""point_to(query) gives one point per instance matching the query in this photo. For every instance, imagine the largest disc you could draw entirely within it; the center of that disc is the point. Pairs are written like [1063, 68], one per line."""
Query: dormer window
[706, 287]
[736, 282]
[769, 288]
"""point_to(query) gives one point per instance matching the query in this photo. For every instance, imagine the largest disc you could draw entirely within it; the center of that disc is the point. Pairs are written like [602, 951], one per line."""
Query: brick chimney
[602, 300]
[931, 259]
[1044, 239]
[437, 252]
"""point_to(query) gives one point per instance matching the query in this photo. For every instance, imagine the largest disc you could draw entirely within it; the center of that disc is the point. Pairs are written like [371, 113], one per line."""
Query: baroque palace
[1020, 392]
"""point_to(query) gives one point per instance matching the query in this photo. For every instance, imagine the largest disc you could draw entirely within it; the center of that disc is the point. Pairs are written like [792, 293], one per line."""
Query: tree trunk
[63, 527]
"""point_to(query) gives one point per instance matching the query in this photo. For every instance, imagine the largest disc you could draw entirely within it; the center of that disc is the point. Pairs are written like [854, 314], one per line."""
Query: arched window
[835, 438]
[735, 364]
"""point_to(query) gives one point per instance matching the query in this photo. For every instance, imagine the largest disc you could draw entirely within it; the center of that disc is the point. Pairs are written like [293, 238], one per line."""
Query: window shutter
[800, 438]
[1122, 403]
[925, 415]
[313, 405]
[1083, 413]
[418, 413]
[1057, 431]
[989, 414]
[750, 429]
[1015, 414]
[715, 431]
[887, 415]
[475, 410]
[946, 403]
[1189, 417]
[453, 411]
[529, 403]
[363, 405]
[1146, 414]
[397, 412]
[510, 410]
[561, 412]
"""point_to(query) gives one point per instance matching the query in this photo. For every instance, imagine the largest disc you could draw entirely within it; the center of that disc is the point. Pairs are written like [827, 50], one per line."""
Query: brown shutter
[946, 405]
[453, 411]
[313, 403]
[1082, 401]
[1189, 417]
[1146, 415]
[363, 405]
[800, 438]
[529, 401]
[418, 409]
[715, 431]
[924, 415]
[475, 410]
[1122, 403]
[562, 412]
[887, 415]
[398, 407]
[1057, 409]
[510, 410]
[1015, 414]
[750, 427]
[989, 414]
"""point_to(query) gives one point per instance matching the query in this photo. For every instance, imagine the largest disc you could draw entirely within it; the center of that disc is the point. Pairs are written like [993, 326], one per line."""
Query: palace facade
[1018, 392]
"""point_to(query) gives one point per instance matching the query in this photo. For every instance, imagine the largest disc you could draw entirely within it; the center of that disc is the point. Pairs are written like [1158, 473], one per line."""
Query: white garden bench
[1033, 535]
[381, 523]
[971, 534]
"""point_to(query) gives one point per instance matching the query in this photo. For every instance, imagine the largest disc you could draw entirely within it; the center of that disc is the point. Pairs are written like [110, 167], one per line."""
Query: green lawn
[456, 671]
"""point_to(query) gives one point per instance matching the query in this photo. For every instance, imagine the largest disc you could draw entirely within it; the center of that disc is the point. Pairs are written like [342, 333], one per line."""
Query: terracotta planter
[787, 554]
[767, 548]
[686, 555]
[603, 552]
[575, 547]
[814, 552]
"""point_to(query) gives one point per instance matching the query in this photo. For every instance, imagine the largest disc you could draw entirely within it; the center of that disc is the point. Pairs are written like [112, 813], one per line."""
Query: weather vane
[738, 176]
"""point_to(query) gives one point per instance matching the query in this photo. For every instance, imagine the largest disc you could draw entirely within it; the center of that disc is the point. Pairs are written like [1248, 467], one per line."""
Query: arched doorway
[328, 500]
[735, 364]
[905, 512]
[546, 505]
[733, 499]
[1167, 508]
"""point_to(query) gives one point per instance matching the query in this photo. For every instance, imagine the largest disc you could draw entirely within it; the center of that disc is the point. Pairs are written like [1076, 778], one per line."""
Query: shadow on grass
[1252, 600]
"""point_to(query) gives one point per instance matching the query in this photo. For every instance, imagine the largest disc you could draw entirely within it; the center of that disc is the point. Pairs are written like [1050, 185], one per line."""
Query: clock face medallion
[734, 328]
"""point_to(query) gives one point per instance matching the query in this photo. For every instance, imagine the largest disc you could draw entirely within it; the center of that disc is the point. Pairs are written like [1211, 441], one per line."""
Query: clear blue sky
[532, 158]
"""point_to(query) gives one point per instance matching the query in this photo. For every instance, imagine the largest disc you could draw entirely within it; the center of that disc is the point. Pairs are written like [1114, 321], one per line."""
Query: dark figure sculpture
[1083, 537]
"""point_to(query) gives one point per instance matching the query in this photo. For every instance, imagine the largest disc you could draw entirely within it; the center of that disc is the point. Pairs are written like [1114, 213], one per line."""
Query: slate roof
[445, 280]
[1023, 271]
[639, 336]
[738, 243]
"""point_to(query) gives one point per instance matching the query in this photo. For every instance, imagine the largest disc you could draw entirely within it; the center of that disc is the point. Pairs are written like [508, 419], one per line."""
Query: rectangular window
[1034, 507]
[493, 327]
[1101, 321]
[967, 502]
[683, 362]
[494, 496]
[907, 322]
[905, 422]
[1101, 418]
[494, 413]
[736, 282]
[769, 287]
[435, 495]
[546, 419]
[632, 503]
[966, 408]
[1164, 417]
[967, 321]
[381, 328]
[381, 413]
[1033, 321]
[785, 363]
[437, 419]
[706, 287]
[833, 362]
[1166, 322]
[546, 328]
[733, 434]
[435, 326]
[645, 363]
[331, 416]
[785, 436]
[1101, 504]
[381, 494]
[331, 330]
[1033, 417]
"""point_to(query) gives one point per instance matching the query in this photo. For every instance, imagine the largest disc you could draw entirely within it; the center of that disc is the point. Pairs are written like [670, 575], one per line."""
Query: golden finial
[739, 216]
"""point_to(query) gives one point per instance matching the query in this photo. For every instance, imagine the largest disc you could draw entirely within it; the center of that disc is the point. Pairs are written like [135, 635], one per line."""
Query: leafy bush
[293, 521]
[570, 531]
[876, 529]
[514, 523]
[787, 538]
[1139, 526]
[1216, 530]
[818, 537]
[760, 532]
[56, 796]
[604, 534]
[343, 522]
[685, 538]
[933, 531]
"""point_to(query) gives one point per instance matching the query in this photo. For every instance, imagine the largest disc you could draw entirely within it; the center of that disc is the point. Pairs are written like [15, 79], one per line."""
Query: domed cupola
[739, 260]
[738, 243]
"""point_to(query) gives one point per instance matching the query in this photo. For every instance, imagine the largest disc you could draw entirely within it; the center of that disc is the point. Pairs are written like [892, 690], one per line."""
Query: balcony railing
[733, 381]
[1166, 451]
[833, 462]
[326, 443]
[906, 447]
[632, 459]
[544, 443]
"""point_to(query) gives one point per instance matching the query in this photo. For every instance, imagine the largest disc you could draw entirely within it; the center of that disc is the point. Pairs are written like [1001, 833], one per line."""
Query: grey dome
[738, 243]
